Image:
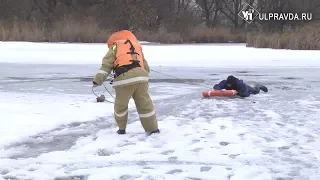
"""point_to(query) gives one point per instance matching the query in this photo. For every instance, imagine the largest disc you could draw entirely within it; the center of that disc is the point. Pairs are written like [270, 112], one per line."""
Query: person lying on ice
[244, 90]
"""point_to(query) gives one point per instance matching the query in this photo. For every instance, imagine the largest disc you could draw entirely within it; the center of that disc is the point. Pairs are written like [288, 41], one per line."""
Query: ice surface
[52, 129]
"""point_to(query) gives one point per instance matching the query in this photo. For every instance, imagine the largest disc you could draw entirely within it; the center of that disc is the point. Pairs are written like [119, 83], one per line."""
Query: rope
[155, 72]
[108, 91]
[100, 96]
[181, 79]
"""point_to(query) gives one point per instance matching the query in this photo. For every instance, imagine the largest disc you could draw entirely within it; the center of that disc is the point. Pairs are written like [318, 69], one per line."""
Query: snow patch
[24, 115]
[212, 55]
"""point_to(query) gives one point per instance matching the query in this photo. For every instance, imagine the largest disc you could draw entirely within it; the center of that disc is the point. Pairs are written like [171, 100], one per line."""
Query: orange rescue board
[219, 93]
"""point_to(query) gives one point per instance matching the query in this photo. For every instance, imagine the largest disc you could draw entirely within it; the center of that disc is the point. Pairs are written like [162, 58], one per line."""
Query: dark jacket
[236, 84]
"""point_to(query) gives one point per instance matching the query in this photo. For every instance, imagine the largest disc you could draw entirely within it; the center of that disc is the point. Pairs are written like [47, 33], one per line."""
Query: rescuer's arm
[106, 66]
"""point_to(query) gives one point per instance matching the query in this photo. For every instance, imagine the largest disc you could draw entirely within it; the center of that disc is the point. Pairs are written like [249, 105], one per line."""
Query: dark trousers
[254, 90]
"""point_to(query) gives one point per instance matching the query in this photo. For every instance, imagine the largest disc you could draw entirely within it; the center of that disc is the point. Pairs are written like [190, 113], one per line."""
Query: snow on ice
[201, 55]
[52, 128]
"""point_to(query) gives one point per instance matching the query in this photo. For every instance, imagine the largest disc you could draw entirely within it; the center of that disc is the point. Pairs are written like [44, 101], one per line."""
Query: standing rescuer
[131, 70]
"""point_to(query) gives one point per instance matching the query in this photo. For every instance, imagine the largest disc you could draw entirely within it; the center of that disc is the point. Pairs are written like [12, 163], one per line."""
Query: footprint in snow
[222, 143]
[205, 169]
[175, 171]
[72, 178]
[173, 158]
[167, 152]
[104, 152]
[197, 149]
[223, 127]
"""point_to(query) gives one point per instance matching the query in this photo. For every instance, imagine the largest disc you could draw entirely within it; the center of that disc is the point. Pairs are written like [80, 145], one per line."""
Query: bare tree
[231, 9]
[210, 10]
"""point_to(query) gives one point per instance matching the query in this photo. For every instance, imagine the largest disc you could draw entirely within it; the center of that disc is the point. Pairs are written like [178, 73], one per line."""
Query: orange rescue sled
[210, 93]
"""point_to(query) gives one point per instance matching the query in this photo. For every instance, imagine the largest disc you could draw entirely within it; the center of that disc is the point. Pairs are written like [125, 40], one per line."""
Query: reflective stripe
[114, 47]
[148, 114]
[102, 72]
[127, 81]
[121, 114]
[233, 92]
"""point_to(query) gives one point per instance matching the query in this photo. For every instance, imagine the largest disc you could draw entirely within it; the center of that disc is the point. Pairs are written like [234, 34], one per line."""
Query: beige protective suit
[132, 83]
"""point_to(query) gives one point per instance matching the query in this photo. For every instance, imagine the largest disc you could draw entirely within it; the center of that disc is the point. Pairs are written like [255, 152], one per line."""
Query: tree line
[175, 15]
[166, 21]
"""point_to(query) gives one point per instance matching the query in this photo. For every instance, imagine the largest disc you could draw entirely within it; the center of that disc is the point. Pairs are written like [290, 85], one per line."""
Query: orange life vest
[127, 53]
[128, 48]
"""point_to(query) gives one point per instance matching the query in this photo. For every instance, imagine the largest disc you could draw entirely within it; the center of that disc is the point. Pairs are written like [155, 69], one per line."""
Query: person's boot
[263, 88]
[154, 132]
[121, 131]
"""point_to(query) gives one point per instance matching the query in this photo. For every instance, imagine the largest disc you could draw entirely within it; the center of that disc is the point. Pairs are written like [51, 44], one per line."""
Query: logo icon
[248, 13]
